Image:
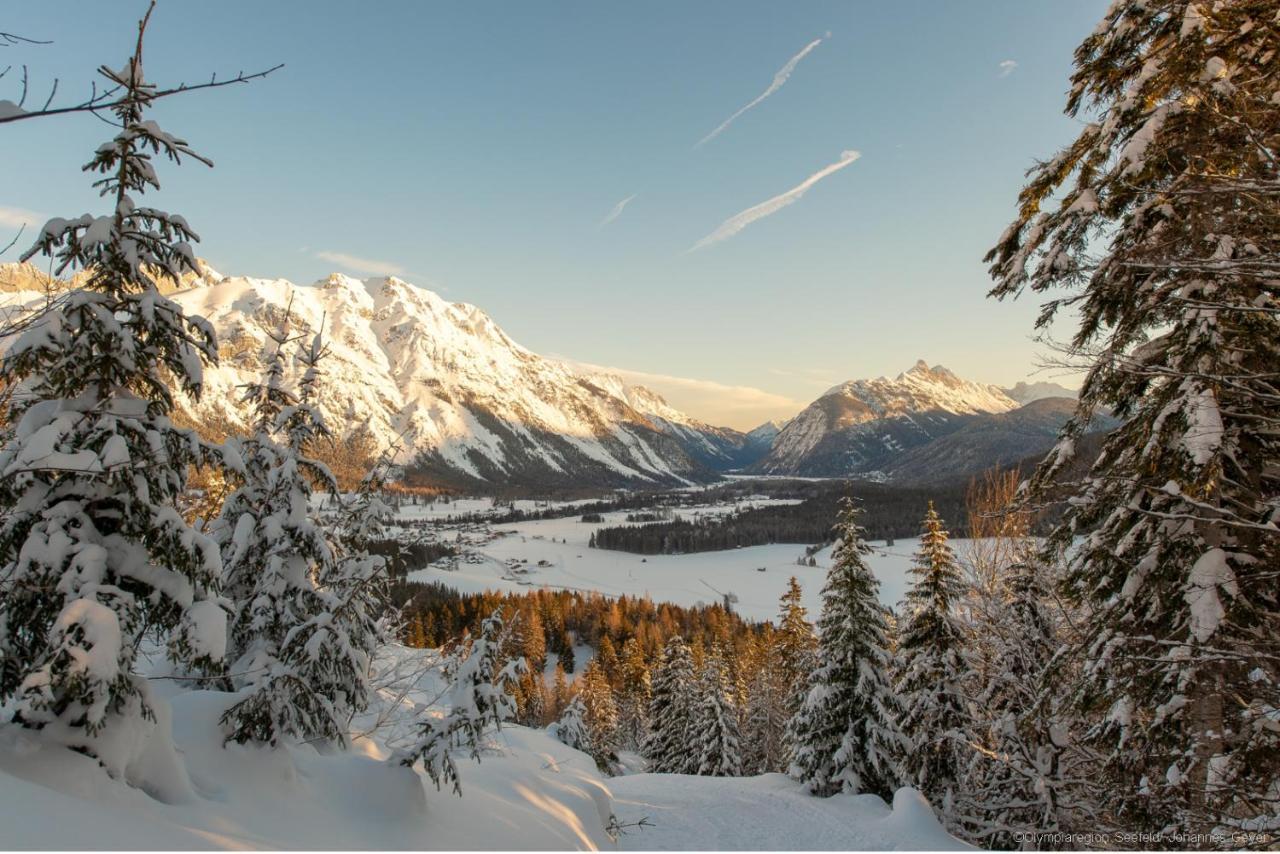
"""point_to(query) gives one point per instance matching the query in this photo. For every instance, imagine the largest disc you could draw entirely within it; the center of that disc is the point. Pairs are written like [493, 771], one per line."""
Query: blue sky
[476, 148]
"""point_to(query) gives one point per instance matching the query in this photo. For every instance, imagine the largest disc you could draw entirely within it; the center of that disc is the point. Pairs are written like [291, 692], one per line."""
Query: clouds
[1006, 67]
[738, 406]
[357, 264]
[18, 217]
[739, 221]
[779, 79]
[617, 211]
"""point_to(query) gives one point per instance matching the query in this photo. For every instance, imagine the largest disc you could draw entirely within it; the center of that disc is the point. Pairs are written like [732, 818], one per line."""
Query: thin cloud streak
[361, 265]
[778, 80]
[17, 218]
[617, 211]
[737, 222]
[1007, 66]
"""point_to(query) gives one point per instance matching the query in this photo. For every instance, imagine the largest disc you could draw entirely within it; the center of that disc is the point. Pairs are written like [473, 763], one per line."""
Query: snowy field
[529, 792]
[556, 556]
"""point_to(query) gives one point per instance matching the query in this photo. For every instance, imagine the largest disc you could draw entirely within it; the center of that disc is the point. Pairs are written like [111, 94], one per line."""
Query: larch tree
[668, 744]
[930, 669]
[635, 692]
[94, 553]
[1159, 226]
[845, 736]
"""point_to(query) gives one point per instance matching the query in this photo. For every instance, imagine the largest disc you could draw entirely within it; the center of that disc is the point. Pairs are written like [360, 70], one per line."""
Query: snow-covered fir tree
[481, 683]
[668, 744]
[1025, 773]
[601, 715]
[571, 727]
[1159, 224]
[716, 741]
[94, 552]
[930, 669]
[845, 736]
[296, 670]
[360, 613]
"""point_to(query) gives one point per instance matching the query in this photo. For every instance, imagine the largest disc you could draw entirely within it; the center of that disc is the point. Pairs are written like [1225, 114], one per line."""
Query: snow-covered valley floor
[556, 555]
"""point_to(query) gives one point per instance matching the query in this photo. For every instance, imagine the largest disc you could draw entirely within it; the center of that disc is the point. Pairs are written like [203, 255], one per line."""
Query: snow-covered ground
[767, 813]
[529, 792]
[679, 579]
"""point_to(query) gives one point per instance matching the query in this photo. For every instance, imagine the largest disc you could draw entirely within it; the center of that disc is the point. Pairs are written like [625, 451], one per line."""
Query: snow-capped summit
[859, 425]
[470, 402]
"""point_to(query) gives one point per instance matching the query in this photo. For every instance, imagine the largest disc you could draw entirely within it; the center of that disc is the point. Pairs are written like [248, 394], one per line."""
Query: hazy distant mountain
[1027, 392]
[862, 427]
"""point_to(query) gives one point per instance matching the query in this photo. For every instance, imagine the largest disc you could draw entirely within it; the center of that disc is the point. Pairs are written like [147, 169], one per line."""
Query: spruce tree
[716, 740]
[571, 727]
[481, 682]
[930, 670]
[1158, 226]
[845, 736]
[1024, 775]
[668, 744]
[601, 715]
[94, 552]
[294, 669]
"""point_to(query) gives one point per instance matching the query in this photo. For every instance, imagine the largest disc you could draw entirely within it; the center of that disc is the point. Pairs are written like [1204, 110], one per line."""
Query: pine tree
[668, 744]
[479, 696]
[1160, 222]
[845, 737]
[94, 552]
[293, 669]
[931, 669]
[716, 741]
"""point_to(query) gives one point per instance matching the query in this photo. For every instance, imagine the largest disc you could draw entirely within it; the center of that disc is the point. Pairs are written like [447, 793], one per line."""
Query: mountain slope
[466, 403]
[988, 440]
[860, 427]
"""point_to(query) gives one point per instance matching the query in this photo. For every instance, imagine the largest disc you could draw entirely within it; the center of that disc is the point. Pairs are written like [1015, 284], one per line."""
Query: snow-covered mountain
[472, 405]
[861, 426]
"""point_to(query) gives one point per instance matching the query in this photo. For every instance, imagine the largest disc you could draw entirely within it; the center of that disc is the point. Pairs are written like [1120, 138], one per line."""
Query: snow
[769, 812]
[1209, 573]
[528, 792]
[685, 580]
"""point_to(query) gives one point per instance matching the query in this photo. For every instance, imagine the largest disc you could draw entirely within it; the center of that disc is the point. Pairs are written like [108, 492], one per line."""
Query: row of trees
[892, 512]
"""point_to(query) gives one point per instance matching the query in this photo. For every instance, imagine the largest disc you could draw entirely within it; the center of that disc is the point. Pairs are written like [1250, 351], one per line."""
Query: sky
[739, 204]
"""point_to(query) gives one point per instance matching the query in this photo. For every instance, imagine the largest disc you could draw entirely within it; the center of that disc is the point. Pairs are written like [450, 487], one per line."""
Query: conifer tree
[571, 727]
[94, 552]
[930, 670]
[1025, 775]
[716, 739]
[634, 695]
[796, 645]
[560, 694]
[293, 668]
[601, 715]
[845, 737]
[1158, 226]
[668, 744]
[479, 696]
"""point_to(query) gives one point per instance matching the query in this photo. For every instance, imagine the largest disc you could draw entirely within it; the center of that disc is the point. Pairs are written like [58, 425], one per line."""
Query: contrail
[617, 211]
[737, 222]
[778, 80]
